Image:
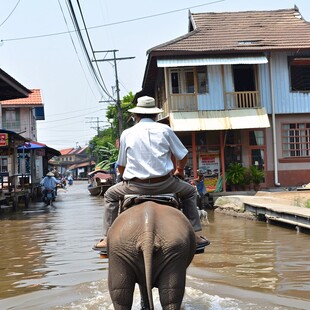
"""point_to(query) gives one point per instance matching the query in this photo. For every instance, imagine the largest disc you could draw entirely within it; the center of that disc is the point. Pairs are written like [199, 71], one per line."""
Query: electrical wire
[10, 13]
[72, 117]
[92, 50]
[111, 24]
[76, 50]
[84, 48]
[83, 110]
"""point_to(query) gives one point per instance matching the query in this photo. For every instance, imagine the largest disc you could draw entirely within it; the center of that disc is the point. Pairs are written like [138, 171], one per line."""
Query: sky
[40, 49]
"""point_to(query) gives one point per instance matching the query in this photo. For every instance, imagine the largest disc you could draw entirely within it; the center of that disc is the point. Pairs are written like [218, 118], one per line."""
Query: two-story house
[20, 115]
[76, 161]
[236, 88]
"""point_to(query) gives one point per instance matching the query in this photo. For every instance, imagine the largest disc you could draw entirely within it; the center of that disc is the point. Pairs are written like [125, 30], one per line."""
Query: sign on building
[3, 139]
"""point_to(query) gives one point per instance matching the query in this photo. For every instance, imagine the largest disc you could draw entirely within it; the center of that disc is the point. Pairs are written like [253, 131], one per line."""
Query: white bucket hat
[50, 174]
[146, 105]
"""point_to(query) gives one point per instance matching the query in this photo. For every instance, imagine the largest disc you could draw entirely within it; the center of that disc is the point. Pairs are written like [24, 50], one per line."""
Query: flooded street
[46, 261]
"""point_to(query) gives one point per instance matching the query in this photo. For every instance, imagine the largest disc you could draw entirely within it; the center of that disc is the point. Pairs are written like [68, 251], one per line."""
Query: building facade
[236, 88]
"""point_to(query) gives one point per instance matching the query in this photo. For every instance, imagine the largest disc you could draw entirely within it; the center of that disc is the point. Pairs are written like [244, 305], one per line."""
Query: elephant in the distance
[152, 245]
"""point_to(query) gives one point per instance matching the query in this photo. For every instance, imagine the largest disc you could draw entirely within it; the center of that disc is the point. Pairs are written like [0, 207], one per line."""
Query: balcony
[233, 101]
[242, 100]
[11, 125]
[181, 102]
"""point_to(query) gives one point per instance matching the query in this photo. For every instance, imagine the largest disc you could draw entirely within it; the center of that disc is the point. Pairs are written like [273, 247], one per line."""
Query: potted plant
[247, 178]
[235, 175]
[257, 177]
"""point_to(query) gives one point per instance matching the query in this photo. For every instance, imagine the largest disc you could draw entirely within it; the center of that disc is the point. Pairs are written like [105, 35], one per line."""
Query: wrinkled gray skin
[152, 245]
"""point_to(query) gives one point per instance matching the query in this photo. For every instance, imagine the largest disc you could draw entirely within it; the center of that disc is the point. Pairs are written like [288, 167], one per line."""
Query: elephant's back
[168, 225]
[165, 220]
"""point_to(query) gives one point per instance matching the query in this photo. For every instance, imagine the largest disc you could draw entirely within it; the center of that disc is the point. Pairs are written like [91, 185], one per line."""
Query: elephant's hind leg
[171, 286]
[171, 298]
[122, 298]
[121, 287]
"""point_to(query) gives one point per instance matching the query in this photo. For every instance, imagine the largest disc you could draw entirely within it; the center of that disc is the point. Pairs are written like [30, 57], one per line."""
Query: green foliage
[112, 114]
[235, 174]
[247, 176]
[108, 154]
[257, 175]
[102, 147]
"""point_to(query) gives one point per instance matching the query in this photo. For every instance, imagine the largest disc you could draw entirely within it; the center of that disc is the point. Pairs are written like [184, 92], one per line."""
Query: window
[256, 137]
[202, 77]
[257, 149]
[189, 82]
[175, 84]
[4, 164]
[300, 74]
[182, 80]
[296, 139]
[11, 119]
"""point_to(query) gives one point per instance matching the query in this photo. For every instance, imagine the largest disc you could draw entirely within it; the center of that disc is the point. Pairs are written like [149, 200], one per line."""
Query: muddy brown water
[46, 261]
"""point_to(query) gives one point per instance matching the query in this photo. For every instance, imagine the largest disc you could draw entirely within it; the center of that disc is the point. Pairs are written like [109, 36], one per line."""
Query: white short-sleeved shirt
[146, 148]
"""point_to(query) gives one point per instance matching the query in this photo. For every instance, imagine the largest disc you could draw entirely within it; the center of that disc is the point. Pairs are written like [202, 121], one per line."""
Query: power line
[83, 110]
[96, 121]
[84, 48]
[64, 119]
[76, 49]
[10, 13]
[92, 50]
[111, 24]
[118, 101]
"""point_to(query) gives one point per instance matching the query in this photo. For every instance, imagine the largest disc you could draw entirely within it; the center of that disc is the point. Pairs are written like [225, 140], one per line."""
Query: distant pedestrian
[201, 188]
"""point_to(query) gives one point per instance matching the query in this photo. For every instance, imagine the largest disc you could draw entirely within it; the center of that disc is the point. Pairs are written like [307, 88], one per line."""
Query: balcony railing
[233, 100]
[11, 125]
[242, 100]
[181, 102]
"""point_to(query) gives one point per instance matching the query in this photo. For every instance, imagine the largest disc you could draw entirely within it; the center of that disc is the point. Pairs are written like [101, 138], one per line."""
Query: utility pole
[118, 101]
[97, 121]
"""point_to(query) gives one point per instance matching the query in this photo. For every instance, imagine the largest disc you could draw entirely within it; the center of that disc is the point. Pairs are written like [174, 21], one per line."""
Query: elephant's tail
[148, 246]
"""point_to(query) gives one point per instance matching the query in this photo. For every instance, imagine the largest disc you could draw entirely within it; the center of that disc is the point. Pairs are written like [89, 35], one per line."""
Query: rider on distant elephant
[146, 167]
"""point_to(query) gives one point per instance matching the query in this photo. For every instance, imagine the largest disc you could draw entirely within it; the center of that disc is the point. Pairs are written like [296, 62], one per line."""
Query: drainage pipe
[274, 134]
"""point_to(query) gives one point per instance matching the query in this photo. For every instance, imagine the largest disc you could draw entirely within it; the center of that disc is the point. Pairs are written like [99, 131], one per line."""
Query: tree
[112, 114]
[103, 147]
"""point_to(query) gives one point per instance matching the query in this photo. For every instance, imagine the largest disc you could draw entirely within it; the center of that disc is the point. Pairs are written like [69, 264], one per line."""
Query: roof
[32, 145]
[219, 120]
[242, 32]
[232, 34]
[66, 151]
[81, 164]
[34, 99]
[10, 88]
[73, 151]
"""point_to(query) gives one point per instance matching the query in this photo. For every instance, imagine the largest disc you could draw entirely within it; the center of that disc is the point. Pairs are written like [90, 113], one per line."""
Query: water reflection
[257, 256]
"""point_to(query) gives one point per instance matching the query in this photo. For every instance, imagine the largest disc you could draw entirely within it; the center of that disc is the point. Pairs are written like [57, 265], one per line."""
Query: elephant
[150, 244]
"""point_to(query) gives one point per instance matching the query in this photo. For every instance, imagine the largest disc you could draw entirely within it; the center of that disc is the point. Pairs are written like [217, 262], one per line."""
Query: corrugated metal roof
[190, 62]
[219, 120]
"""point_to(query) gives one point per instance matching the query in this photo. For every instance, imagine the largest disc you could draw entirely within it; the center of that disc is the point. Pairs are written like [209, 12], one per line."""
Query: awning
[219, 120]
[32, 145]
[191, 62]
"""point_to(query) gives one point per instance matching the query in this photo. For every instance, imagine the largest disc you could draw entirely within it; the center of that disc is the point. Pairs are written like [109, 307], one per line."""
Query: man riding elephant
[146, 167]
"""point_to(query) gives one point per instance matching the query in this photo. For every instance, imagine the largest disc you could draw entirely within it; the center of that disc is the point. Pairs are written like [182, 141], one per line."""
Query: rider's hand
[179, 173]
